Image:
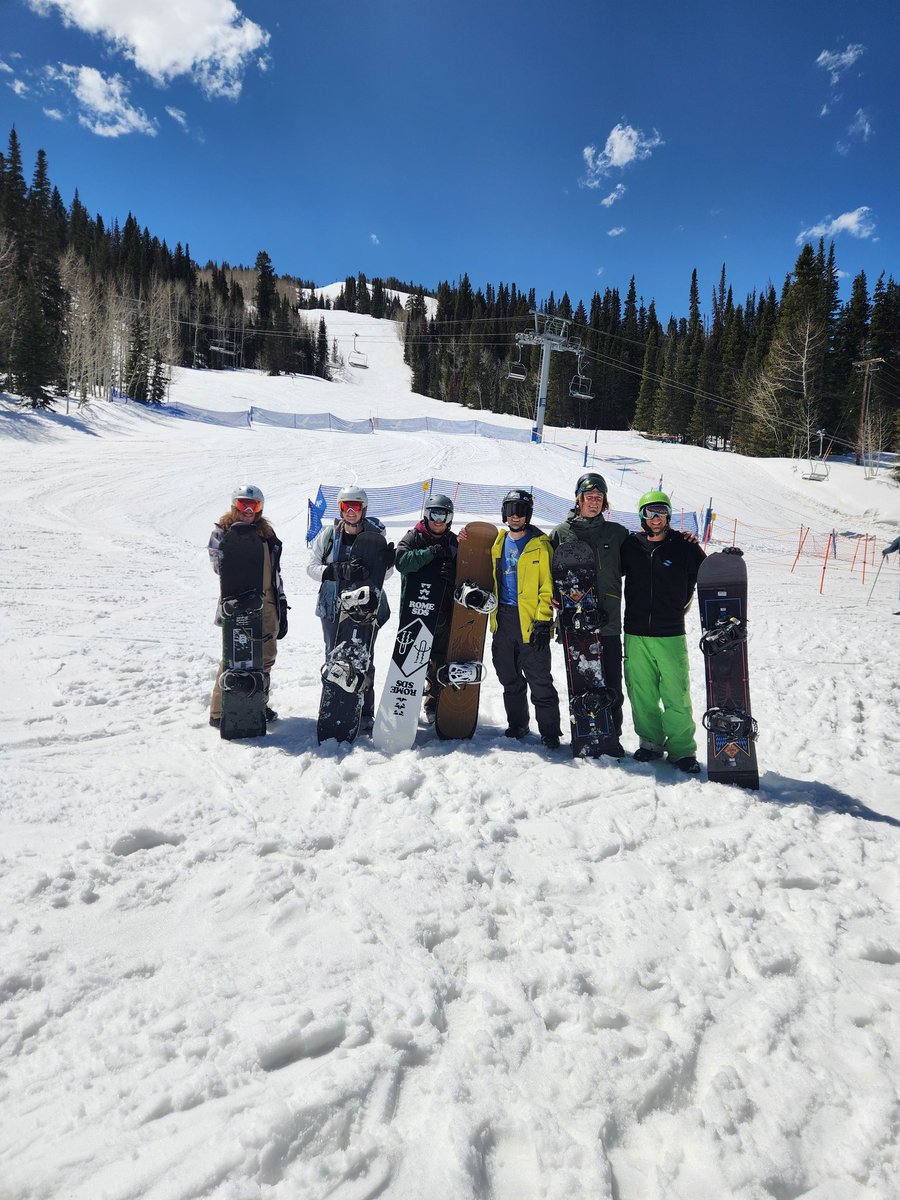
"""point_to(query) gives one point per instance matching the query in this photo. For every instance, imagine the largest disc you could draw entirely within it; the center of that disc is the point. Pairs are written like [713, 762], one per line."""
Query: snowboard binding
[731, 721]
[592, 704]
[246, 683]
[476, 598]
[724, 635]
[458, 675]
[344, 675]
[242, 605]
[581, 619]
[359, 604]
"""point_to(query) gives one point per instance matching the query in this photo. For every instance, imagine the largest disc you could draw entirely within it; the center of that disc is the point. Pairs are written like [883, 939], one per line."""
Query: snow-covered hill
[282, 970]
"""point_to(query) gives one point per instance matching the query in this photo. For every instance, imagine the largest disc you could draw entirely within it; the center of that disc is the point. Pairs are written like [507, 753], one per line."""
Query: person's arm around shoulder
[215, 547]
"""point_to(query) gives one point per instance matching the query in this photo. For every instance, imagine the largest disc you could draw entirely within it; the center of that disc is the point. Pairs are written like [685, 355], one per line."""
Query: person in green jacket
[522, 623]
[660, 566]
[586, 523]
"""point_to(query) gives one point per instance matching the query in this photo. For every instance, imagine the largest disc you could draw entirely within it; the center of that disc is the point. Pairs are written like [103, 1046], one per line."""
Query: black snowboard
[345, 673]
[580, 618]
[240, 583]
[731, 730]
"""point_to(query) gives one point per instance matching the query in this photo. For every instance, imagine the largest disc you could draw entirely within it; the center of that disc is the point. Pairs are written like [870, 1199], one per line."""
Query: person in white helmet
[247, 503]
[331, 563]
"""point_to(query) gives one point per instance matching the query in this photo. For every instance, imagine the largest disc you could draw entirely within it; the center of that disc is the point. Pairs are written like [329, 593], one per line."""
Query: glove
[388, 556]
[353, 572]
[283, 609]
[331, 571]
[884, 554]
[441, 552]
[541, 632]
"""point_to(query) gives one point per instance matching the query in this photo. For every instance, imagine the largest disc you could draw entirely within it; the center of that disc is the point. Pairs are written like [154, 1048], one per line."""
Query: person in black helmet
[431, 540]
[522, 623]
[586, 523]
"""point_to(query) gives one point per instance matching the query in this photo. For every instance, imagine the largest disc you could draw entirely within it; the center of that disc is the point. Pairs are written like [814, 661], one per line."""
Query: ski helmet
[353, 495]
[517, 503]
[590, 482]
[439, 503]
[654, 499]
[248, 491]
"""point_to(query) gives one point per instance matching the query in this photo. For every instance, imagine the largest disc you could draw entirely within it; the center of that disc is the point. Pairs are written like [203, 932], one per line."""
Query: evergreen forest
[93, 311]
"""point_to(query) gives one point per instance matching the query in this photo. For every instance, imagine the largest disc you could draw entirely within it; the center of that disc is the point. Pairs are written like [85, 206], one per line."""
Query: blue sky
[564, 147]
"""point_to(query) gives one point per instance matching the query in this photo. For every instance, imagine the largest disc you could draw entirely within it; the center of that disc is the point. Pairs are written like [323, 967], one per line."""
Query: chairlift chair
[517, 371]
[580, 388]
[356, 358]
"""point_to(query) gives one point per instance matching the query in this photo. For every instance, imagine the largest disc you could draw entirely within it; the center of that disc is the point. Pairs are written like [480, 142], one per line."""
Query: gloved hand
[388, 555]
[353, 572]
[884, 553]
[331, 571]
[541, 632]
[441, 552]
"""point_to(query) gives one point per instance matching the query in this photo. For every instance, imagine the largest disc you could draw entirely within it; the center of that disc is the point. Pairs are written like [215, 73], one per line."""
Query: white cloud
[210, 40]
[616, 231]
[20, 88]
[861, 126]
[624, 145]
[6, 67]
[599, 270]
[54, 114]
[616, 194]
[836, 62]
[177, 116]
[105, 109]
[858, 224]
[373, 238]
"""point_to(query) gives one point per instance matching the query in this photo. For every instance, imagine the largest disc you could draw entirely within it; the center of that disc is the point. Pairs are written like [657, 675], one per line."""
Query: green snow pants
[658, 682]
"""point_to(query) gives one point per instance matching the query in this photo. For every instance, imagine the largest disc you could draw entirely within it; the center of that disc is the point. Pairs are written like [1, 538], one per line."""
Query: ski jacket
[893, 547]
[659, 582]
[606, 539]
[533, 579]
[330, 547]
[414, 554]
[273, 587]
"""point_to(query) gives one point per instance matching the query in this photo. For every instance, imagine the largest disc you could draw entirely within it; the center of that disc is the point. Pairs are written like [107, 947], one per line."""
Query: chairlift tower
[550, 333]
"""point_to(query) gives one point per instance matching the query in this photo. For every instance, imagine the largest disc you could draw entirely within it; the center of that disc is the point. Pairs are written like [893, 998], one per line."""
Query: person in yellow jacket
[522, 623]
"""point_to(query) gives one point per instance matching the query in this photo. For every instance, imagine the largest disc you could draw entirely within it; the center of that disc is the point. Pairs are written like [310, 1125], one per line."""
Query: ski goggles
[351, 506]
[516, 508]
[246, 504]
[655, 510]
[438, 515]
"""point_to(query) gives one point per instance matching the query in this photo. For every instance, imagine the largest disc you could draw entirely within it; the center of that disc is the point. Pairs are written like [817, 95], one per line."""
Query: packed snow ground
[279, 970]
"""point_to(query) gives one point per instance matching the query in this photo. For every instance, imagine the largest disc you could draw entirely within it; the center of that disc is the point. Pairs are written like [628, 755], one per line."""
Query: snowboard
[240, 584]
[580, 619]
[461, 676]
[345, 673]
[397, 718]
[731, 730]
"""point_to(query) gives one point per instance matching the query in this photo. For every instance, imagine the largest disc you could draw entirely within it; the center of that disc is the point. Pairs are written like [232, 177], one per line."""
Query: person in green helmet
[660, 566]
[586, 523]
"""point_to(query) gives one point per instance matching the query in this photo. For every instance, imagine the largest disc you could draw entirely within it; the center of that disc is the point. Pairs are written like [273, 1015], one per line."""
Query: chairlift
[580, 387]
[356, 358]
[818, 464]
[517, 370]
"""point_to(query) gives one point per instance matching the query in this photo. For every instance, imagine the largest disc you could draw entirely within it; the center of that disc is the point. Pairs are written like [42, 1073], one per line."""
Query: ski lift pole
[543, 385]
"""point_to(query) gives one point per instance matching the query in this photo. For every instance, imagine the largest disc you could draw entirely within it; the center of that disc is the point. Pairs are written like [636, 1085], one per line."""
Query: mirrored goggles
[246, 504]
[351, 506]
[438, 515]
[655, 510]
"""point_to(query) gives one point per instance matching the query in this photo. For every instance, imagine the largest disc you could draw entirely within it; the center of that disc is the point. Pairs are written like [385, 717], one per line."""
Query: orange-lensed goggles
[353, 506]
[245, 504]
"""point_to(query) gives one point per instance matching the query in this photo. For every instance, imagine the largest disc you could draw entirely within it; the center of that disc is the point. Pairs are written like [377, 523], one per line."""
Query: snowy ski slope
[469, 972]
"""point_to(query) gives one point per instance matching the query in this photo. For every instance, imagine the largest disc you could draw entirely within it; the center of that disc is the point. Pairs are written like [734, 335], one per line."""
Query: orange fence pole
[803, 534]
[855, 552]
[865, 556]
[734, 534]
[824, 565]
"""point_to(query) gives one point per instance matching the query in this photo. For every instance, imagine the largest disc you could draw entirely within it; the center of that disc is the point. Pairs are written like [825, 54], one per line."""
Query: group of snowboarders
[659, 566]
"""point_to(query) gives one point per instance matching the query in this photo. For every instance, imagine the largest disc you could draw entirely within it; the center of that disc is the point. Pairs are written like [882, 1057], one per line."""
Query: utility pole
[866, 364]
[550, 333]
